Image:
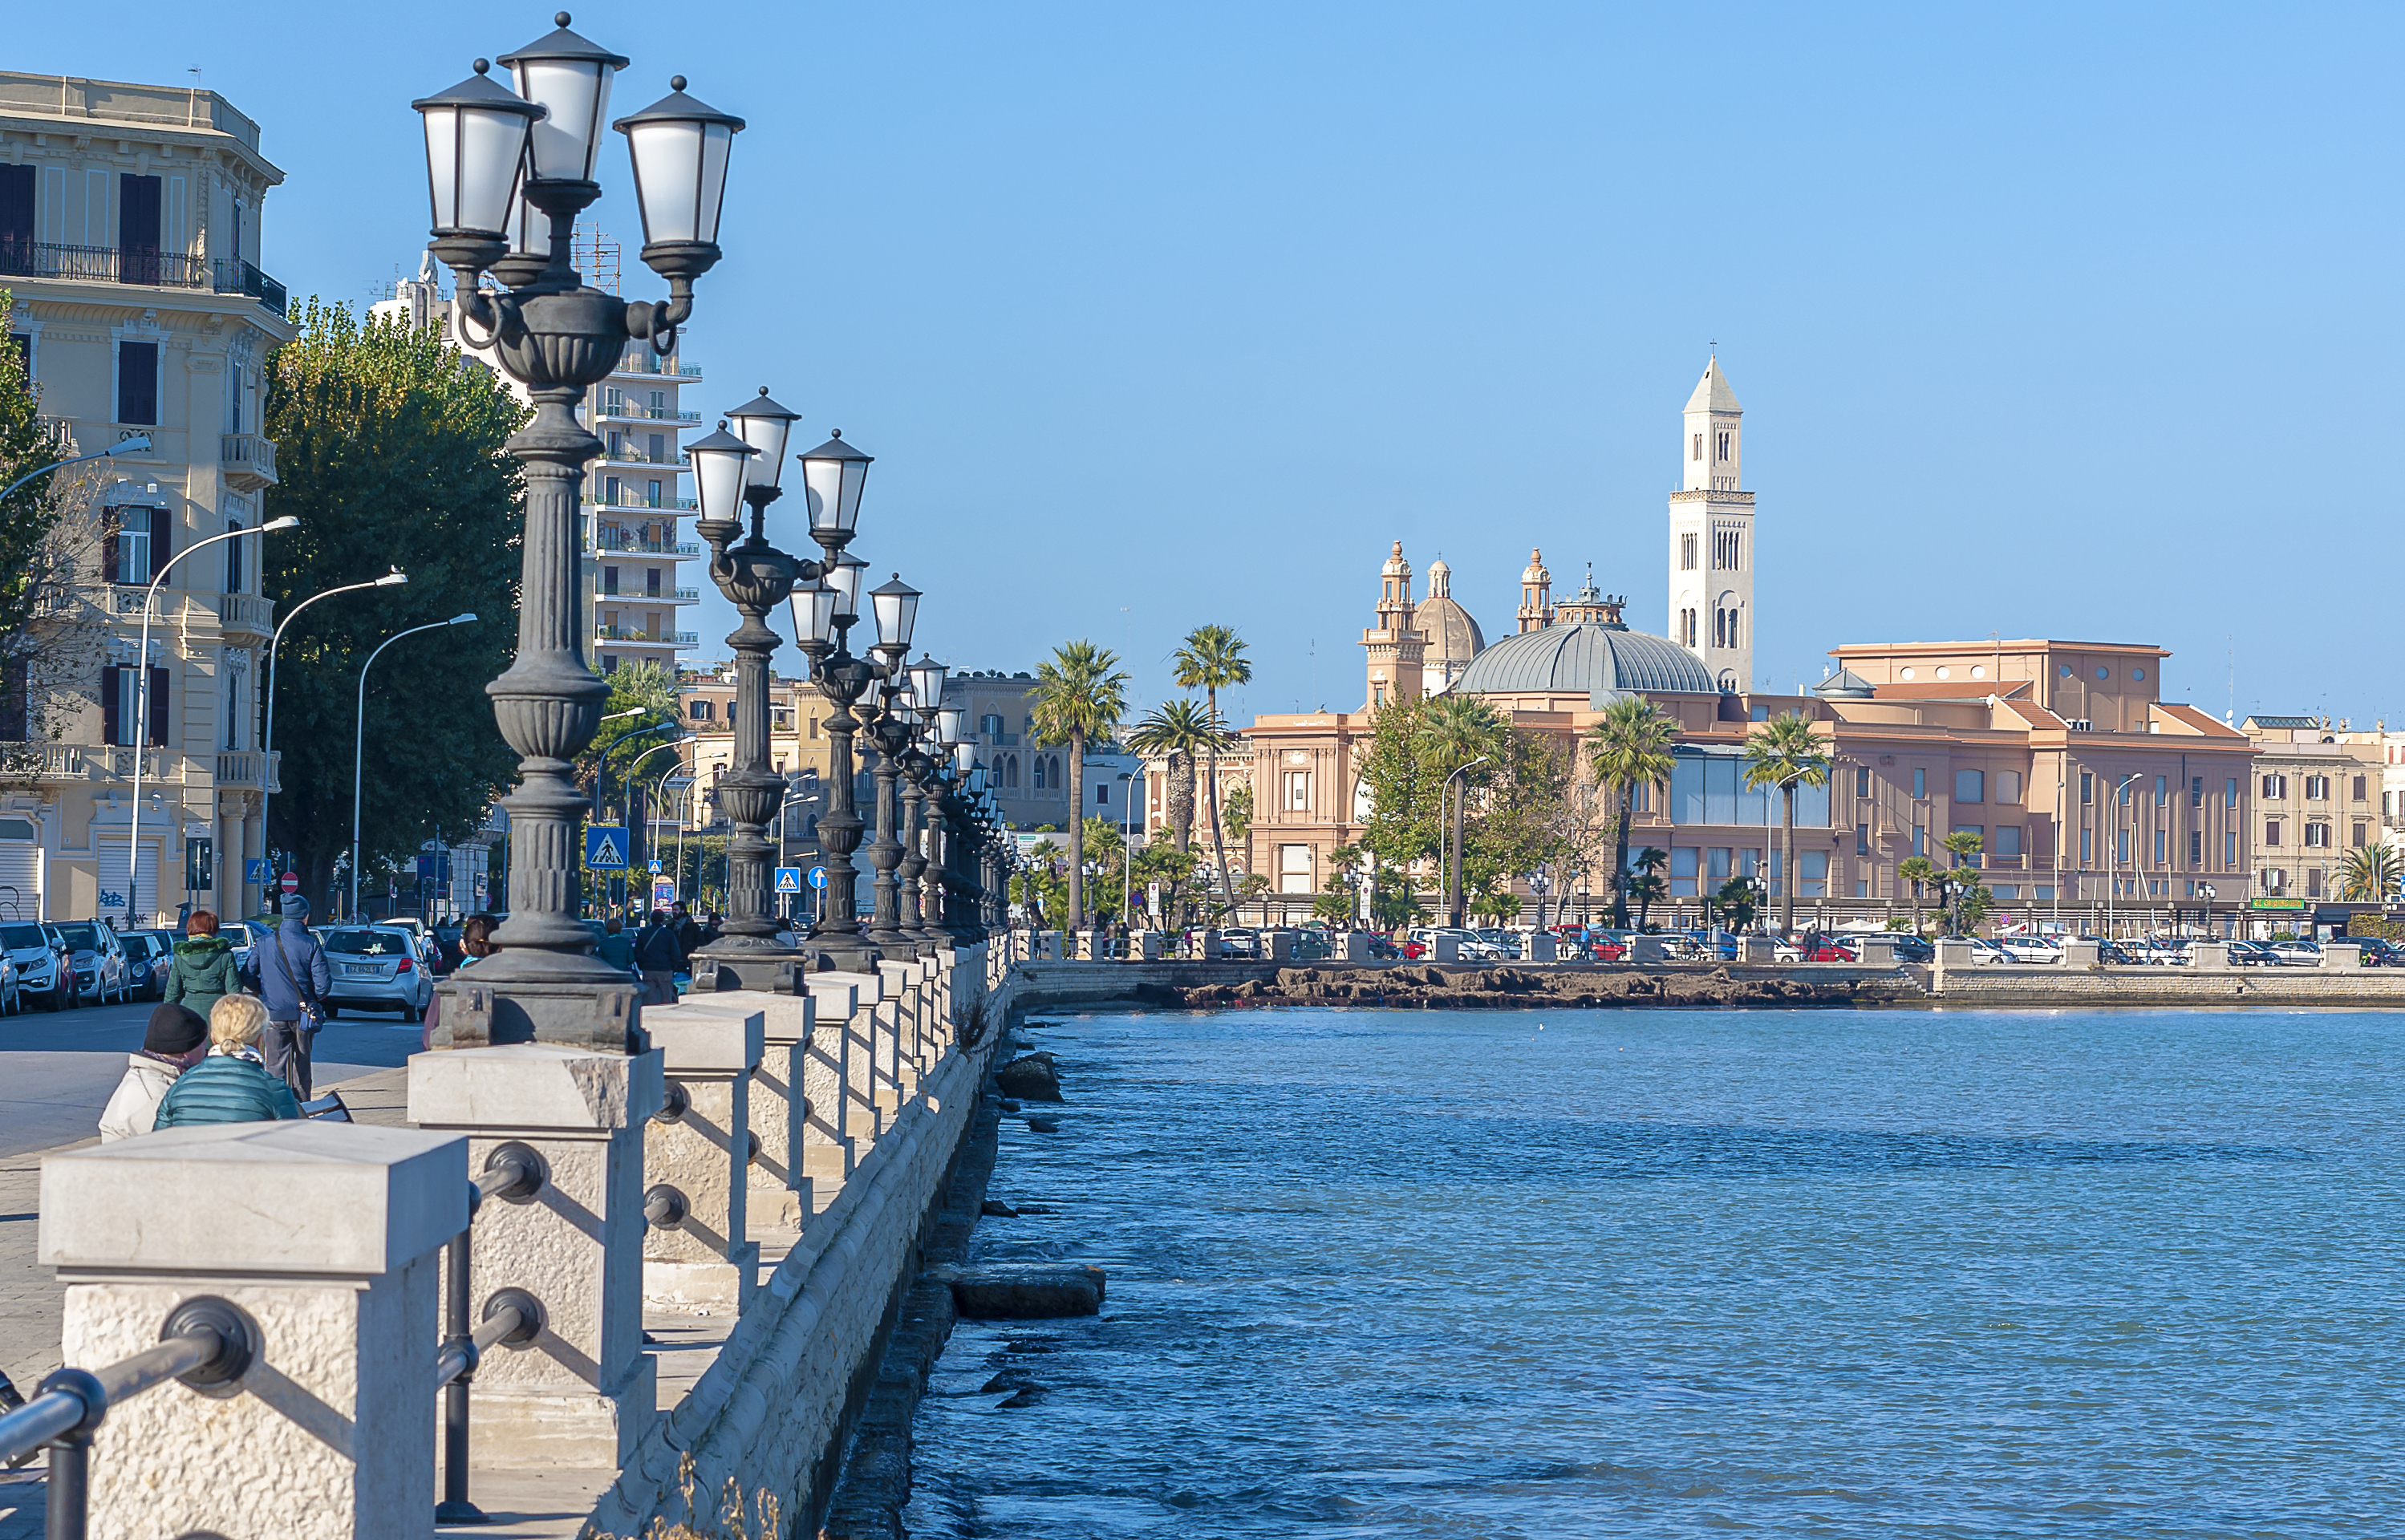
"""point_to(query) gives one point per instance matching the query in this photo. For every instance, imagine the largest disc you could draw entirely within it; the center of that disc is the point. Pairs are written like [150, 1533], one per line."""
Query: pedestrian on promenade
[231, 1084]
[173, 1043]
[688, 935]
[659, 959]
[203, 969]
[618, 948]
[292, 978]
[476, 938]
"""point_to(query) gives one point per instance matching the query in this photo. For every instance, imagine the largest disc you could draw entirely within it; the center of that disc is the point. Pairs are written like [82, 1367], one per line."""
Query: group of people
[661, 948]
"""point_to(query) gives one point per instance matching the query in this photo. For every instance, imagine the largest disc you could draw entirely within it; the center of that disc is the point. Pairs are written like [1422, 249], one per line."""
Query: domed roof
[1600, 661]
[1452, 632]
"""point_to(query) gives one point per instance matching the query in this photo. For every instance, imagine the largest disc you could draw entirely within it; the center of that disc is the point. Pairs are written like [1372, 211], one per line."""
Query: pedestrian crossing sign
[656, 868]
[789, 879]
[256, 869]
[605, 847]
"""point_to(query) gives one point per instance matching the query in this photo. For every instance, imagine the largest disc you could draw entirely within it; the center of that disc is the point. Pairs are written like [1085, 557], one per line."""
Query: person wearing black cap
[177, 1038]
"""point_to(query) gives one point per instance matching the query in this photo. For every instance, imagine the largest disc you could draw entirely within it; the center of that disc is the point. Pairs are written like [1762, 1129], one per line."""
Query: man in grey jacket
[290, 972]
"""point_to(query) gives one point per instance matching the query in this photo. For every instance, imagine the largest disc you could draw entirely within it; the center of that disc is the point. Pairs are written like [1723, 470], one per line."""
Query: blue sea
[1666, 1273]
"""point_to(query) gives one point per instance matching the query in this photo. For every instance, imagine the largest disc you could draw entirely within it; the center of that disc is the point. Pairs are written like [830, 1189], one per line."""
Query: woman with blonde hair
[231, 1084]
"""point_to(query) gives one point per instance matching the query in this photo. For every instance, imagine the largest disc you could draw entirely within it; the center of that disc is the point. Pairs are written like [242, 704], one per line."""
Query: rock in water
[1031, 1078]
[994, 1207]
[1008, 1105]
[1027, 1292]
[1043, 1125]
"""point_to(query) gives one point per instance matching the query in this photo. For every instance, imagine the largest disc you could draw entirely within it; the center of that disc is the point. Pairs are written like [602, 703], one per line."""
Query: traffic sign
[605, 847]
[789, 879]
[255, 869]
[656, 868]
[291, 882]
[818, 877]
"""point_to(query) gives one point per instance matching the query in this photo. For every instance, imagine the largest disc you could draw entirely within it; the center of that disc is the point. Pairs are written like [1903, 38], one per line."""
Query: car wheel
[410, 1013]
[333, 1010]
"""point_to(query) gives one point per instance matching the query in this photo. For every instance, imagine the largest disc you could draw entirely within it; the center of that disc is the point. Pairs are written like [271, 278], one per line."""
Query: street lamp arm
[359, 737]
[134, 446]
[276, 642]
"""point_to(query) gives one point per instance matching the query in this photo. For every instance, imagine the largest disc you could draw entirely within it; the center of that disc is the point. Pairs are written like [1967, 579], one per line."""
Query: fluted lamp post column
[730, 472]
[824, 612]
[558, 336]
[895, 605]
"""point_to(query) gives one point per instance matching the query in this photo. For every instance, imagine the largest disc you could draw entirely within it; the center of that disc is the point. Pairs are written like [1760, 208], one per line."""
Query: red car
[1835, 951]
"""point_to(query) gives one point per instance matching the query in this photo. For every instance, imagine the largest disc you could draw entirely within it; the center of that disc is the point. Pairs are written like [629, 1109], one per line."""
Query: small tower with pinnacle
[1396, 651]
[1712, 536]
[1535, 593]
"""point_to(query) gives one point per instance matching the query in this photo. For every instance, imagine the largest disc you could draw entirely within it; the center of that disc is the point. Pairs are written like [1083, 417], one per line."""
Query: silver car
[34, 966]
[375, 967]
[101, 970]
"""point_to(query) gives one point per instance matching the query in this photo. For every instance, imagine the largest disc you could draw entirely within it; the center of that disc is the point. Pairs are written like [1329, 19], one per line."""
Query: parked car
[2298, 953]
[2030, 948]
[1506, 943]
[32, 957]
[148, 954]
[1471, 946]
[1833, 949]
[98, 954]
[1240, 941]
[1383, 947]
[1709, 943]
[2380, 952]
[374, 967]
[2252, 954]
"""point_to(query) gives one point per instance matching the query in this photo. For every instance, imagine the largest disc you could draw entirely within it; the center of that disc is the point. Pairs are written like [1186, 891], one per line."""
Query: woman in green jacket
[203, 969]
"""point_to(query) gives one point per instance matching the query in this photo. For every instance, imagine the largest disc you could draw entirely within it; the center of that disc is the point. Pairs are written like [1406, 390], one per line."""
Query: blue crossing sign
[256, 869]
[605, 847]
[656, 868]
[789, 879]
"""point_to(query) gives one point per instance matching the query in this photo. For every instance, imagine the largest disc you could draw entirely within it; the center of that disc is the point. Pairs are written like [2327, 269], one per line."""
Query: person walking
[688, 933]
[659, 959]
[617, 947]
[231, 1084]
[289, 969]
[202, 970]
[173, 1043]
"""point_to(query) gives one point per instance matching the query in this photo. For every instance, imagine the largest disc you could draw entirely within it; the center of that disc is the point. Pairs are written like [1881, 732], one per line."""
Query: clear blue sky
[2047, 320]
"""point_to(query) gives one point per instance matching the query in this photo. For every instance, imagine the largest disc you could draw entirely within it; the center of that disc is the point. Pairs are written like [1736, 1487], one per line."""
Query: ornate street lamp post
[558, 336]
[895, 605]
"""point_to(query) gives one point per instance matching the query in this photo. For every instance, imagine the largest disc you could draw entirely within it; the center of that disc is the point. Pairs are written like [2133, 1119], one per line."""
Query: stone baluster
[828, 1150]
[697, 1255]
[862, 1120]
[782, 1193]
[326, 1239]
[584, 1392]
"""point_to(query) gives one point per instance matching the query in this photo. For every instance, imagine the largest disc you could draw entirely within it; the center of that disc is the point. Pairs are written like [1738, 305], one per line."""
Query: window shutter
[111, 730]
[109, 522]
[158, 708]
[163, 532]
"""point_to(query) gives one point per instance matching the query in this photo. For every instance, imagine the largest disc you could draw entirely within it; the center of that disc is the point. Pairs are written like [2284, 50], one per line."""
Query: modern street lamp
[360, 739]
[137, 444]
[1455, 898]
[142, 700]
[558, 336]
[267, 745]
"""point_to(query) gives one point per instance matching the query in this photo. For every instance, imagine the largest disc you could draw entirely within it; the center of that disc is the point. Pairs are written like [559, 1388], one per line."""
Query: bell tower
[1712, 536]
[1396, 651]
[1535, 593]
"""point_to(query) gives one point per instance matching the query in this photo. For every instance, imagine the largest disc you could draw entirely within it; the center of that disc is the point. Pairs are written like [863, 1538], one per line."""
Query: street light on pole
[360, 739]
[138, 444]
[142, 700]
[267, 742]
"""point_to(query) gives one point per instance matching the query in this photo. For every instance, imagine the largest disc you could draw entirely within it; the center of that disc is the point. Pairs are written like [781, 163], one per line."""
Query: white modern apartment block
[129, 236]
[637, 589]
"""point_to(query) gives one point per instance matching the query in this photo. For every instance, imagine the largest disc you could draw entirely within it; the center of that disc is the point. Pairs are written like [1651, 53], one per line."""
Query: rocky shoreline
[1428, 987]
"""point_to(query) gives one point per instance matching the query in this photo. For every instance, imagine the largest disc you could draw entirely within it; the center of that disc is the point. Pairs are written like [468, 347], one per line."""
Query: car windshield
[22, 938]
[371, 944]
[84, 936]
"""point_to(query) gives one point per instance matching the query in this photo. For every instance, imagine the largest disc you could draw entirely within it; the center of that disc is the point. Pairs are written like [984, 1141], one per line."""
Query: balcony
[626, 454]
[246, 620]
[609, 541]
[627, 412]
[140, 266]
[627, 500]
[641, 359]
[657, 638]
[246, 461]
[248, 767]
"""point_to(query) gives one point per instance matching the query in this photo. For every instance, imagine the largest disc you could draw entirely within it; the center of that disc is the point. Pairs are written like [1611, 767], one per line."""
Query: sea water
[1671, 1273]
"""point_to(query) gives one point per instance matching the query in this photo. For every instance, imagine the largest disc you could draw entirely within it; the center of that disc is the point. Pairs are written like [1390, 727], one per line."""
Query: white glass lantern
[721, 465]
[845, 579]
[951, 720]
[964, 757]
[569, 77]
[813, 612]
[927, 681]
[529, 229]
[680, 148]
[764, 425]
[834, 474]
[475, 147]
[897, 604]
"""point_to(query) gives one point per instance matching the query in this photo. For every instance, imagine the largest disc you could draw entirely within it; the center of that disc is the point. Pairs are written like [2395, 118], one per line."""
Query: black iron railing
[515, 1173]
[205, 1342]
[142, 265]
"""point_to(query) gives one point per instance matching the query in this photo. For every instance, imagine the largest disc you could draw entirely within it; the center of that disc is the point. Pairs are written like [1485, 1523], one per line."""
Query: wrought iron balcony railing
[142, 265]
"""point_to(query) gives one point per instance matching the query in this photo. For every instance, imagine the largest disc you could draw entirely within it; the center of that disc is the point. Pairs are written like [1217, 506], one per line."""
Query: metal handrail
[205, 1342]
[513, 1172]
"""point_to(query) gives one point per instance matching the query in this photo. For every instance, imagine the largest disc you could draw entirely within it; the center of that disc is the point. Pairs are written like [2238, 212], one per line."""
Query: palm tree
[1629, 748]
[1078, 696]
[1918, 871]
[1181, 731]
[2370, 875]
[1213, 658]
[1457, 732]
[1785, 752]
[1963, 845]
[1648, 889]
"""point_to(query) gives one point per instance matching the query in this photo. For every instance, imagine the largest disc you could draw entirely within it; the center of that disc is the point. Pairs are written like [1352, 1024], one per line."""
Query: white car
[374, 968]
[2298, 953]
[2031, 949]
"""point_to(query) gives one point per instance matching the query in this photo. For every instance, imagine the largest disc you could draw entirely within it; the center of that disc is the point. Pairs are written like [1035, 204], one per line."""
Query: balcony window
[609, 492]
[120, 711]
[2271, 832]
[137, 229]
[133, 538]
[652, 582]
[234, 574]
[137, 383]
[609, 579]
[2009, 840]
[651, 498]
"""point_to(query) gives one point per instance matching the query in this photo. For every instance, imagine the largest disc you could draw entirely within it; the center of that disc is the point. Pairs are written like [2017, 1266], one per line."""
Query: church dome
[1452, 635]
[1600, 661]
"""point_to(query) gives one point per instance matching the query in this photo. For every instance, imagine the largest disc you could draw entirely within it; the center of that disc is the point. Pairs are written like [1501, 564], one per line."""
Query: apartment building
[130, 224]
[2318, 796]
[1030, 779]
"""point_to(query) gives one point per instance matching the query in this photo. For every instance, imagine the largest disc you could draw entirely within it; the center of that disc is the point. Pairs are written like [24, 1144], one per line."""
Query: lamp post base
[750, 963]
[845, 954]
[481, 1012]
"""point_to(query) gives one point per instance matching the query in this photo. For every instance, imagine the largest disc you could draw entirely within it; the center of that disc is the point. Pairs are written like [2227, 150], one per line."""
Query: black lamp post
[558, 336]
[823, 616]
[895, 605]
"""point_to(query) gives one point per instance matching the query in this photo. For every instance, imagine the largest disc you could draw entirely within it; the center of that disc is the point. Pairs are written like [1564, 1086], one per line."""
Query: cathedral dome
[1452, 635]
[1598, 660]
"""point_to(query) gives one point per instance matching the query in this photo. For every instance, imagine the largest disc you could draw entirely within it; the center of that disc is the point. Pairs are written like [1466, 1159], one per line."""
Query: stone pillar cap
[702, 1039]
[833, 998]
[295, 1196]
[525, 1086]
[872, 986]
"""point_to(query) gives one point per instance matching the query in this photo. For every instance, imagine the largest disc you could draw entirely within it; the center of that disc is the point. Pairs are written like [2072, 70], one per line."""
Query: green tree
[1078, 696]
[1212, 659]
[1646, 884]
[1182, 732]
[1459, 735]
[1339, 902]
[1404, 818]
[388, 442]
[1960, 876]
[1161, 861]
[1105, 849]
[1239, 813]
[2370, 875]
[1628, 749]
[1920, 873]
[1786, 753]
[1737, 903]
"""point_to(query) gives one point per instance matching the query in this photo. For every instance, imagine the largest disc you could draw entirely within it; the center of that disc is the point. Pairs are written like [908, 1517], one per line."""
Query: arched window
[1039, 772]
[1699, 446]
[1060, 783]
[1010, 771]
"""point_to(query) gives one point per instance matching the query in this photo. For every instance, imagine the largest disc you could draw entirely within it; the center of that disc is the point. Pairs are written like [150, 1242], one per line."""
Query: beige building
[129, 221]
[2318, 796]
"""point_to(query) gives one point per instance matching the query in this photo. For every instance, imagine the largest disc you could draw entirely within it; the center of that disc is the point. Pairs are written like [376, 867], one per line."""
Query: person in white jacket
[176, 1040]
